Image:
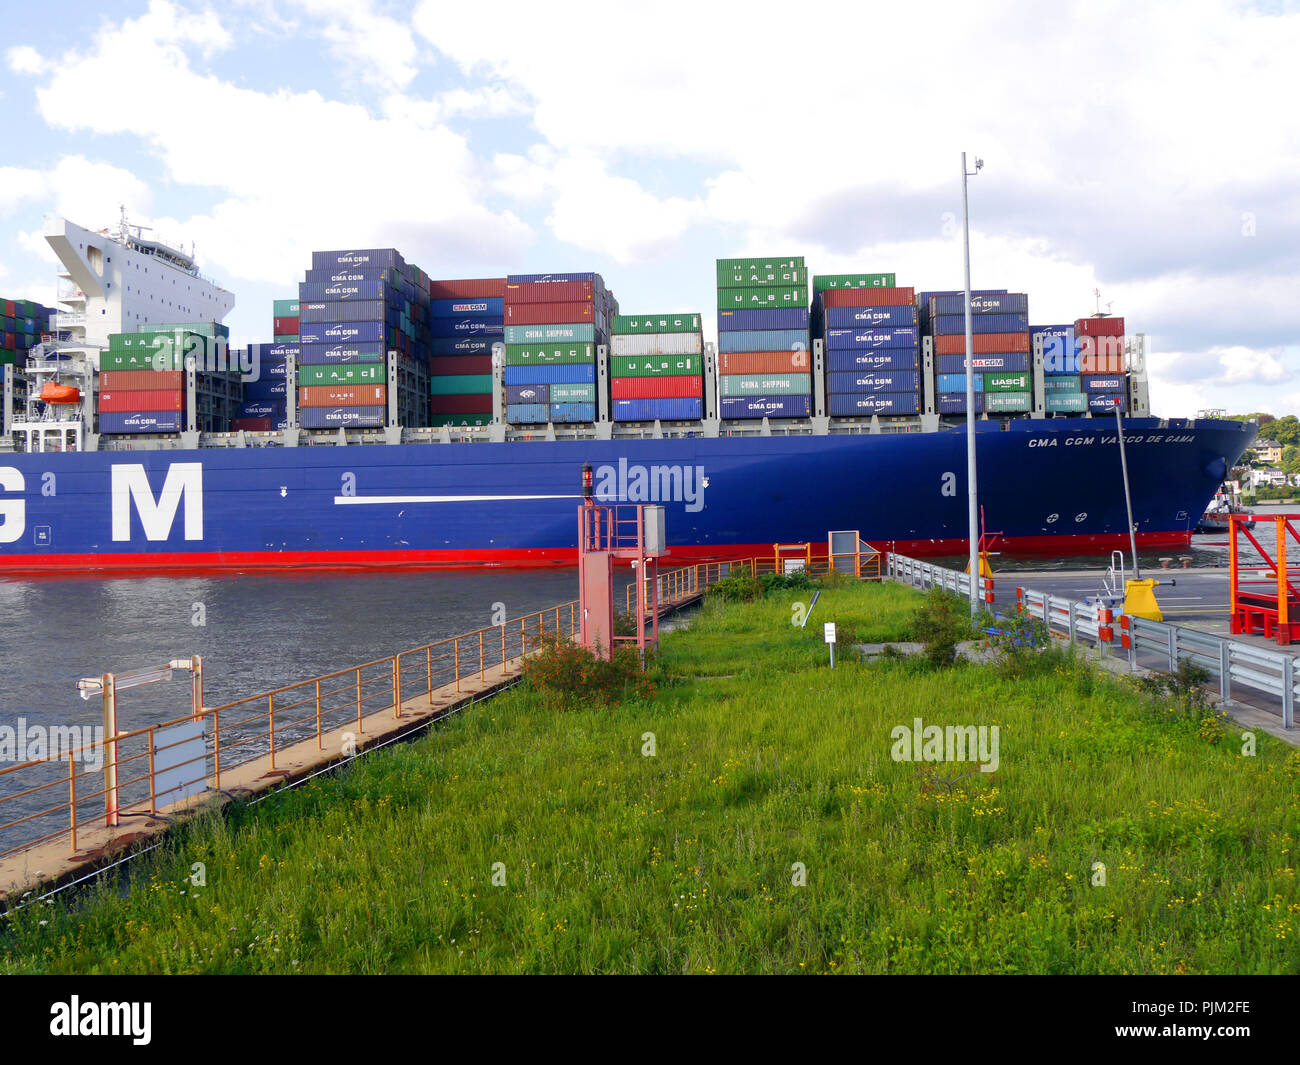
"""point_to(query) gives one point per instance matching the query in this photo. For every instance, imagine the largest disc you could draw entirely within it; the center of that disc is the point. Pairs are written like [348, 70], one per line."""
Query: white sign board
[180, 762]
[830, 632]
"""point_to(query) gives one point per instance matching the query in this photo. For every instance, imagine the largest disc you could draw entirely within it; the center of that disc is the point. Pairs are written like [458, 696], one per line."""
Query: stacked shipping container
[266, 390]
[1000, 349]
[764, 364]
[21, 324]
[553, 324]
[355, 307]
[656, 368]
[869, 330]
[142, 381]
[284, 321]
[1100, 340]
[1062, 387]
[467, 323]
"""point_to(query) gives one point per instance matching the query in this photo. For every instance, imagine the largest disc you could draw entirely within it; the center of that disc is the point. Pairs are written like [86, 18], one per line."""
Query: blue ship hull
[1046, 486]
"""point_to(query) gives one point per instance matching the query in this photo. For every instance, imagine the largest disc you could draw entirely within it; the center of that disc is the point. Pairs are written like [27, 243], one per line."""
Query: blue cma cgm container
[349, 291]
[888, 337]
[983, 303]
[1015, 362]
[956, 382]
[845, 406]
[869, 317]
[385, 258]
[874, 381]
[847, 360]
[779, 318]
[954, 324]
[583, 374]
[265, 388]
[163, 421]
[479, 326]
[1112, 384]
[649, 410]
[333, 417]
[326, 354]
[517, 394]
[463, 345]
[1104, 402]
[765, 406]
[341, 332]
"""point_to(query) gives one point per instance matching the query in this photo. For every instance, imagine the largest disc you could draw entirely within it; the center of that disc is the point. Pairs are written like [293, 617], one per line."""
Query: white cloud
[19, 186]
[1243, 365]
[76, 187]
[353, 178]
[24, 59]
[377, 48]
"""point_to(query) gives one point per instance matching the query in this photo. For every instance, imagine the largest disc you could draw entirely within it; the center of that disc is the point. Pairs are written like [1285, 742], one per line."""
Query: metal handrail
[266, 725]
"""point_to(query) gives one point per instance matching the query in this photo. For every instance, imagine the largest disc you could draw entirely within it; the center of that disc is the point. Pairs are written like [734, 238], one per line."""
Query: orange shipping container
[1102, 346]
[763, 362]
[1101, 363]
[141, 380]
[142, 399]
[982, 343]
[343, 395]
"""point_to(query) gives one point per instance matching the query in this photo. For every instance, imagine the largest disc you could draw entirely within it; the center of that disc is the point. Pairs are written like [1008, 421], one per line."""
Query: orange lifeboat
[53, 392]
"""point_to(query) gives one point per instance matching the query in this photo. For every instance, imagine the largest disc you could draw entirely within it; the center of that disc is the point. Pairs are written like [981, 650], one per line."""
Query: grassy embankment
[683, 862]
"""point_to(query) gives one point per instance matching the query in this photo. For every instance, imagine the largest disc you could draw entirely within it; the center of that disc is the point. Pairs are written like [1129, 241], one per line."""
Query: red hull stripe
[187, 562]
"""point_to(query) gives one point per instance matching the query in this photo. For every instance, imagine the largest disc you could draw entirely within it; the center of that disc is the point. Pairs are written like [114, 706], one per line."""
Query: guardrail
[46, 799]
[684, 583]
[924, 575]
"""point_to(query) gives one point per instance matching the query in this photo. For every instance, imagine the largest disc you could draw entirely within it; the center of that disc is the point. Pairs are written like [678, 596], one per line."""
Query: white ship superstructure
[120, 282]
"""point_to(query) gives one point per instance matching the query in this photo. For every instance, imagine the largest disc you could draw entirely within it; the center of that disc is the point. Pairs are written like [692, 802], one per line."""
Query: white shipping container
[657, 344]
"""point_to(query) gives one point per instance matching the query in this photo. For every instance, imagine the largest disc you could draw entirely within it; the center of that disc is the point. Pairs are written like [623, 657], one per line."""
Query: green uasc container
[153, 338]
[456, 420]
[759, 264]
[1061, 383]
[655, 366]
[207, 329]
[1065, 402]
[460, 384]
[142, 358]
[576, 333]
[344, 373]
[655, 323]
[740, 299]
[573, 393]
[761, 384]
[1006, 382]
[549, 354]
[768, 278]
[821, 282]
[1006, 402]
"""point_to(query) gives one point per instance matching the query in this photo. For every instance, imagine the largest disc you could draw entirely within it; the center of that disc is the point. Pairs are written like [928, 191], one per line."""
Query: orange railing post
[1283, 598]
[397, 686]
[153, 791]
[428, 665]
[480, 655]
[216, 746]
[270, 713]
[319, 742]
[455, 654]
[360, 725]
[72, 799]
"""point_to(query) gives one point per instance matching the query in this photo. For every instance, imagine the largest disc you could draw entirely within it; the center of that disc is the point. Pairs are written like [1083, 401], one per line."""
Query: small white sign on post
[830, 640]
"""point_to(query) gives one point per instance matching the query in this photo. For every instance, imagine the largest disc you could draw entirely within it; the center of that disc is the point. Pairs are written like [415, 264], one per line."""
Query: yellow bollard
[1140, 600]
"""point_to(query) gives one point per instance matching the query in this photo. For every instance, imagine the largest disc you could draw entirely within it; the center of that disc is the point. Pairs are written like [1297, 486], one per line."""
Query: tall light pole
[971, 486]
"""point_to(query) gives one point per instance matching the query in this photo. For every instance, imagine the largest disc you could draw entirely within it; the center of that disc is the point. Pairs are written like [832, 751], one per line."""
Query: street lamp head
[979, 163]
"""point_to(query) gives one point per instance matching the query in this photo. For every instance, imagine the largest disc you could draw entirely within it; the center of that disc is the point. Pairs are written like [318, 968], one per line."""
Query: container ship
[397, 420]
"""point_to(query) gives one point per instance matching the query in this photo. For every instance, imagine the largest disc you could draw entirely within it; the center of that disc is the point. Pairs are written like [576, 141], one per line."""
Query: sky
[1146, 151]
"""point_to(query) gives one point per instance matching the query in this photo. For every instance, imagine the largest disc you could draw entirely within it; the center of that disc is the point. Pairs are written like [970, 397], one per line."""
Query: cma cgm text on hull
[1046, 486]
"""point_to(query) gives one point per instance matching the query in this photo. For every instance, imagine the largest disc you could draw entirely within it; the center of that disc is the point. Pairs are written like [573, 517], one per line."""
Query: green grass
[682, 862]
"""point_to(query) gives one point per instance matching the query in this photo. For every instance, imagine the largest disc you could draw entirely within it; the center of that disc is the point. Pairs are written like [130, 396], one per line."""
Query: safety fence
[1232, 663]
[135, 773]
[683, 584]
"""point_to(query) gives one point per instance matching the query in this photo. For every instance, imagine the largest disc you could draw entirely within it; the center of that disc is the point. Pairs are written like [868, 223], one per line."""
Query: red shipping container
[9, 308]
[158, 399]
[467, 404]
[251, 425]
[1099, 327]
[683, 387]
[550, 292]
[869, 297]
[141, 380]
[773, 362]
[9, 341]
[1102, 346]
[342, 395]
[286, 327]
[982, 343]
[446, 365]
[468, 288]
[1101, 364]
[549, 313]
